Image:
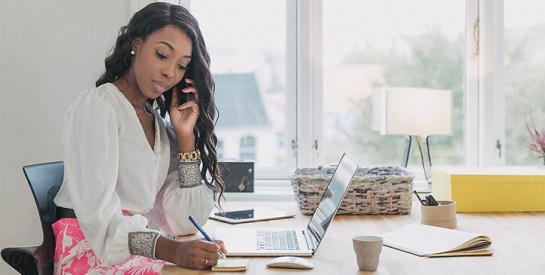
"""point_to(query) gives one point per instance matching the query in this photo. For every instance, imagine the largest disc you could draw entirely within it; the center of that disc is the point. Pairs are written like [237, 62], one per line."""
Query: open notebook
[432, 241]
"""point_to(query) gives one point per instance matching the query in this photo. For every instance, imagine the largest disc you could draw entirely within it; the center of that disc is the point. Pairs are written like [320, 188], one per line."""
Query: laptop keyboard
[277, 240]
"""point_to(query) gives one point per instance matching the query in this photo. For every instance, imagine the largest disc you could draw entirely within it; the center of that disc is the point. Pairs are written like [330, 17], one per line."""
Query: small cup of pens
[437, 213]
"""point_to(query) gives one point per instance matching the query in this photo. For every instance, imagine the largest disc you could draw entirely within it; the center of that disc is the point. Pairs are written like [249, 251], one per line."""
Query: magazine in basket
[373, 191]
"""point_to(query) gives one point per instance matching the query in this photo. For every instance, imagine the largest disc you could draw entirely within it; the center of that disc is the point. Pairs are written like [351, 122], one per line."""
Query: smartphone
[182, 97]
[237, 215]
[251, 215]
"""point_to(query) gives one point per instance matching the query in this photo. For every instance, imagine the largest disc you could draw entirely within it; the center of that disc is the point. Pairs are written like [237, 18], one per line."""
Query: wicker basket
[373, 191]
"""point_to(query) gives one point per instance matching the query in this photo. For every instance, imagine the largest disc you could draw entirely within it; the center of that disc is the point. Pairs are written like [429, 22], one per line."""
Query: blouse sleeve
[177, 203]
[177, 199]
[91, 158]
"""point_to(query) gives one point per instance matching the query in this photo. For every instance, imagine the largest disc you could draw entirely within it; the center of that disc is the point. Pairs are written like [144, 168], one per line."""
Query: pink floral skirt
[74, 256]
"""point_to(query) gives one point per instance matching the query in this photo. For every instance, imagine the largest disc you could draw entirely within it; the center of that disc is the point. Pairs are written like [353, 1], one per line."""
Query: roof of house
[239, 101]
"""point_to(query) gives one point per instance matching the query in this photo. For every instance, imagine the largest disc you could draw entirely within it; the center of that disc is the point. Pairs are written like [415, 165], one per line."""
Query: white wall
[49, 50]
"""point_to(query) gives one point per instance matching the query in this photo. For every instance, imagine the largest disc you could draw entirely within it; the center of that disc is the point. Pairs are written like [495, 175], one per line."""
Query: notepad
[231, 265]
[432, 241]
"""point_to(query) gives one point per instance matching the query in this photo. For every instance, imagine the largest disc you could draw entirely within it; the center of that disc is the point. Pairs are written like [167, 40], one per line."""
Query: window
[247, 43]
[524, 87]
[389, 44]
[270, 56]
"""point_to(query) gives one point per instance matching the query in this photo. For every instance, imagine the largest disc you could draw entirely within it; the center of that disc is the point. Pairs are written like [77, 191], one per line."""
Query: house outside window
[247, 148]
[220, 149]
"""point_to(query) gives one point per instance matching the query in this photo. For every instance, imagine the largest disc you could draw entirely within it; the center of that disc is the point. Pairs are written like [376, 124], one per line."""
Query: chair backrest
[45, 180]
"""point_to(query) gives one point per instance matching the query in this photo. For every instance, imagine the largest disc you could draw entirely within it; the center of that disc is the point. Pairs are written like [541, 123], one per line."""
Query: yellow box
[490, 189]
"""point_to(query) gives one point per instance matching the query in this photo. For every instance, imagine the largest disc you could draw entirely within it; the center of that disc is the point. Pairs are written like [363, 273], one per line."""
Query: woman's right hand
[192, 254]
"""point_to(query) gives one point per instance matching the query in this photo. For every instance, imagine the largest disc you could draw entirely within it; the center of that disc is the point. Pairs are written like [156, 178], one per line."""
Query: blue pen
[198, 226]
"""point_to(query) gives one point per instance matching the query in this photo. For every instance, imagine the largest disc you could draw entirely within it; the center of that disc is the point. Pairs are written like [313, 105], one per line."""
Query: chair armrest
[22, 259]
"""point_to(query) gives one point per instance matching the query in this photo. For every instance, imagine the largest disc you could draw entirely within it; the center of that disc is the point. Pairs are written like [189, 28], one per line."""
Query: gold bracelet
[190, 156]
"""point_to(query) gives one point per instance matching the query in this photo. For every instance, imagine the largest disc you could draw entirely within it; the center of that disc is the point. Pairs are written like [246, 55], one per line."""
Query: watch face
[190, 156]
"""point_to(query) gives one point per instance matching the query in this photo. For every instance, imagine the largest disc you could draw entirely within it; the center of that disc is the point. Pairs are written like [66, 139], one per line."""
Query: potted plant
[537, 141]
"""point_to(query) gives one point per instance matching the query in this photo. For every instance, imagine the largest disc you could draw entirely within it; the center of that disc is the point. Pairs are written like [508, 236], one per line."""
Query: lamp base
[422, 186]
[425, 157]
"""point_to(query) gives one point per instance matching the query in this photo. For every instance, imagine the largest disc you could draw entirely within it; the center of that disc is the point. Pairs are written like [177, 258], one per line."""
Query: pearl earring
[132, 52]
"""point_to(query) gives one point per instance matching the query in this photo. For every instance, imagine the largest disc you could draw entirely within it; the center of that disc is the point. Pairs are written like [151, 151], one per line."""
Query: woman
[131, 177]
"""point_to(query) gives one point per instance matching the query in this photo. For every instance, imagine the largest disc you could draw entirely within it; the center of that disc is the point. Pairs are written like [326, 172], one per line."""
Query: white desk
[518, 242]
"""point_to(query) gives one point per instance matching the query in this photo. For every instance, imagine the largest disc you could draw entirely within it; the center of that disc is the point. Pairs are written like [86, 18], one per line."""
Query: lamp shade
[413, 111]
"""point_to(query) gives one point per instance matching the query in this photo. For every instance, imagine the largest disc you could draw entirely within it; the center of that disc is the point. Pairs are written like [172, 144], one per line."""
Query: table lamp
[413, 112]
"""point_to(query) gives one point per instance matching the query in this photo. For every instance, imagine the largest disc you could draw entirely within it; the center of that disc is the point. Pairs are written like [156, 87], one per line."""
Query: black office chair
[44, 180]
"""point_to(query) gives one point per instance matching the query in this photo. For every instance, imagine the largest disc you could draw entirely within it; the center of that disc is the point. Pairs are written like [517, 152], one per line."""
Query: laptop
[267, 241]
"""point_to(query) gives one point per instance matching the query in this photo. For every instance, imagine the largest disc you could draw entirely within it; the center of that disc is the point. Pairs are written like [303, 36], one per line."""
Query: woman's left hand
[184, 117]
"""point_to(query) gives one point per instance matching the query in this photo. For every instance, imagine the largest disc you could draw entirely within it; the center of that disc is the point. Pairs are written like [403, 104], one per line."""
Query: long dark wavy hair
[151, 18]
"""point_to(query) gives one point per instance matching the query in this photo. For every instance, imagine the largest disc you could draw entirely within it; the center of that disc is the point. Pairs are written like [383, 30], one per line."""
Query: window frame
[484, 97]
[309, 82]
[491, 89]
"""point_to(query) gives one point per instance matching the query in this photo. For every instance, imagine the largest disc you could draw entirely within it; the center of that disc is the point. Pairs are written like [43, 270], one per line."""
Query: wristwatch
[190, 156]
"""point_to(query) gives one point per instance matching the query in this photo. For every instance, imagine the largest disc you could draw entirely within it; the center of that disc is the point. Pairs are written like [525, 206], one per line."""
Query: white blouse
[109, 167]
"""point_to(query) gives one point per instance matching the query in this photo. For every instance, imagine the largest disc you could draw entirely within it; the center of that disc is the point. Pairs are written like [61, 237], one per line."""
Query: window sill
[281, 190]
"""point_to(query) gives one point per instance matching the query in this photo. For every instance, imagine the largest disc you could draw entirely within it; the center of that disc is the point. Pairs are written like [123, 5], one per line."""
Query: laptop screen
[332, 198]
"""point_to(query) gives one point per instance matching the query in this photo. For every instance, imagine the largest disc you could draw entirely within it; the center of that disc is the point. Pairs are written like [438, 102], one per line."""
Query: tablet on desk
[251, 215]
